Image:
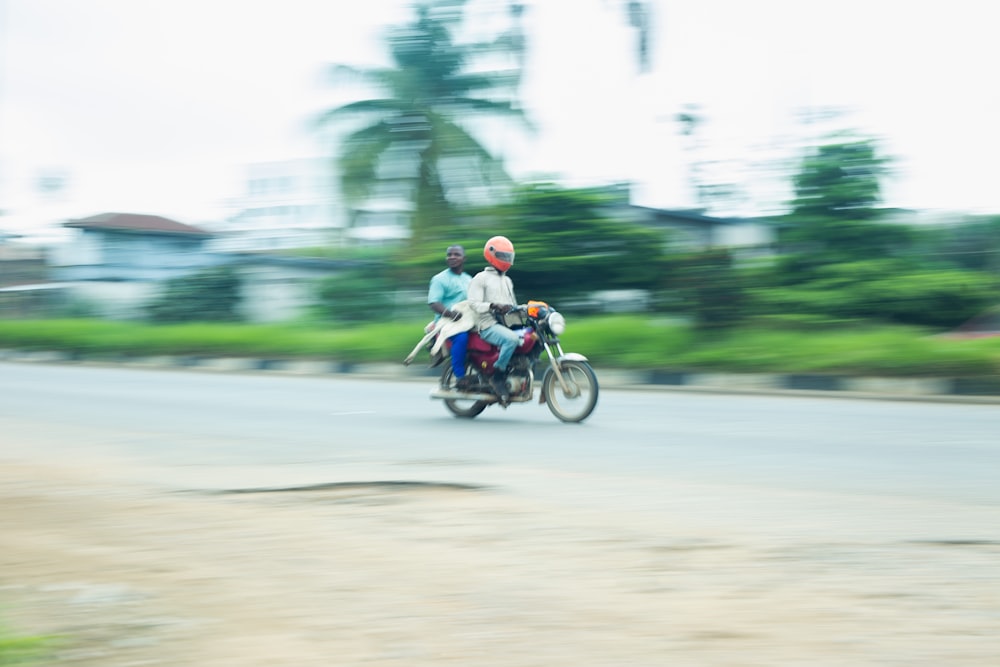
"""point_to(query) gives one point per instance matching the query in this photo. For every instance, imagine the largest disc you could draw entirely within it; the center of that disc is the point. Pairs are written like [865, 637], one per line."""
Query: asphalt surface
[232, 516]
[967, 390]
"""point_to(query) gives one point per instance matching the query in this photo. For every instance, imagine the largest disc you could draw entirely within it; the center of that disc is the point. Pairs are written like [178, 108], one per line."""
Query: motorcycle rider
[491, 294]
[446, 289]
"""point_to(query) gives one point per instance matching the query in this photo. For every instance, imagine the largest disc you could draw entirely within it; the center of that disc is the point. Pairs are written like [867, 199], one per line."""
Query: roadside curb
[969, 390]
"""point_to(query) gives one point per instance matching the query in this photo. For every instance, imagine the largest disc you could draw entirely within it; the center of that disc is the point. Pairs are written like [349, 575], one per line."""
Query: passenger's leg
[459, 344]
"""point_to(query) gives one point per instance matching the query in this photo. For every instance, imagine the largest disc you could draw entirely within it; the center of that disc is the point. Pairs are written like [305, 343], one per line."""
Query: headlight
[556, 322]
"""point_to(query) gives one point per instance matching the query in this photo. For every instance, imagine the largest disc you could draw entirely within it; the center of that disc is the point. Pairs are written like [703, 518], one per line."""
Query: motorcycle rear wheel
[580, 397]
[462, 408]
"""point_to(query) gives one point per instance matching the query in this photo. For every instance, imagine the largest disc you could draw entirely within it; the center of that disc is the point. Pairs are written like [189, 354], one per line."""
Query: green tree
[571, 242]
[841, 262]
[840, 180]
[430, 96]
[834, 213]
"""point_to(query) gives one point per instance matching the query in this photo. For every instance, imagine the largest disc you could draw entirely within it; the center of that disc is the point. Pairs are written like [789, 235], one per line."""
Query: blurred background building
[285, 204]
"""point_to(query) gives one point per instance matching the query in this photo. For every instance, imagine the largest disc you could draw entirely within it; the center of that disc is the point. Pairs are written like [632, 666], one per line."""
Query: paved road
[767, 465]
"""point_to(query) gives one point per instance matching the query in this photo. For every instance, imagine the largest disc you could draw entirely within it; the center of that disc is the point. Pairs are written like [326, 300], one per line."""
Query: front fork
[555, 362]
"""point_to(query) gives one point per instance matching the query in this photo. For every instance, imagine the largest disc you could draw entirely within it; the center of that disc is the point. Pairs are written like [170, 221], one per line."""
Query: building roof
[134, 222]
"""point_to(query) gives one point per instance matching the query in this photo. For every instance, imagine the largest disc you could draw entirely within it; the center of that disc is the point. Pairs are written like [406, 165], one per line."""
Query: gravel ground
[126, 575]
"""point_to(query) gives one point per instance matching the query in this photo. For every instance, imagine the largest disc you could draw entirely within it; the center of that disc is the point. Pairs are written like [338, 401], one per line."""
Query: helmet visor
[504, 256]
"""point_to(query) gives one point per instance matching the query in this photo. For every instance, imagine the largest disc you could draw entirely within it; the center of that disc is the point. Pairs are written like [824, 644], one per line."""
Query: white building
[296, 204]
[285, 204]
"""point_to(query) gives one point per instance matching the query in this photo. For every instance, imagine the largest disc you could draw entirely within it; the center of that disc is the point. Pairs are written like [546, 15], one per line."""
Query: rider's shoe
[499, 384]
[464, 383]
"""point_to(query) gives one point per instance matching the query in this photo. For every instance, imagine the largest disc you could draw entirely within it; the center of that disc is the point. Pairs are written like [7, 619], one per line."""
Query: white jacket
[489, 286]
[444, 329]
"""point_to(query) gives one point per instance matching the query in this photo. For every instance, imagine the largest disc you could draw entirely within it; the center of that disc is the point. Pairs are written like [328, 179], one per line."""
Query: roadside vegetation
[610, 341]
[23, 650]
[840, 292]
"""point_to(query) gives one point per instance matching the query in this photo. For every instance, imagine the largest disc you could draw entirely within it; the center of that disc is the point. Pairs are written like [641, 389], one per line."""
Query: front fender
[569, 356]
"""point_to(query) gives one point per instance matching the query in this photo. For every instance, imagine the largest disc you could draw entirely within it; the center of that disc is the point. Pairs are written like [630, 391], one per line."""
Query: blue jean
[459, 343]
[503, 338]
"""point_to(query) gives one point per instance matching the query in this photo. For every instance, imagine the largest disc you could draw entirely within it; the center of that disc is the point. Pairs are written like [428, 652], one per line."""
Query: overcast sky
[154, 106]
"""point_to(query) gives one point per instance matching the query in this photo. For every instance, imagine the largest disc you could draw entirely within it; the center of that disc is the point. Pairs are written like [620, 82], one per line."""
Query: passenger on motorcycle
[447, 288]
[491, 294]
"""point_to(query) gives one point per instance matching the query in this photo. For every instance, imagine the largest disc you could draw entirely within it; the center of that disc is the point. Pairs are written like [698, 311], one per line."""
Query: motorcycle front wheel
[577, 400]
[466, 409]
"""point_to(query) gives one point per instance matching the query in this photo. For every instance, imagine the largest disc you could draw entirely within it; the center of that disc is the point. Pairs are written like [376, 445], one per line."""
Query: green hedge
[783, 345]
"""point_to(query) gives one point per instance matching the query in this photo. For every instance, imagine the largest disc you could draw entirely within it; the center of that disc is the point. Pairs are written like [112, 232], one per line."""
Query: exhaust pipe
[462, 396]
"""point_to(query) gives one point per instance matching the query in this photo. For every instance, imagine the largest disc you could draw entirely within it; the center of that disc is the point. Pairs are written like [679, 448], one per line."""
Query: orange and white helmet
[499, 252]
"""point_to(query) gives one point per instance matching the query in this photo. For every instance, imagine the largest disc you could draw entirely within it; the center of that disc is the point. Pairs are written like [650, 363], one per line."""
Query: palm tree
[419, 122]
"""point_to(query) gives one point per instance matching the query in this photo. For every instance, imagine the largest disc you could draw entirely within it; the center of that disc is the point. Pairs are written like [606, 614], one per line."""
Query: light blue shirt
[449, 288]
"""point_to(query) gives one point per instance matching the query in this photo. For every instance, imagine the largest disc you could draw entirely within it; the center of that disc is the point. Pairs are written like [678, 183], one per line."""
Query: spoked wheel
[575, 401]
[466, 409]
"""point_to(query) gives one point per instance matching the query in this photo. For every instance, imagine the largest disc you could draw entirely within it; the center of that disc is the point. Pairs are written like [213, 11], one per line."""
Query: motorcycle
[568, 385]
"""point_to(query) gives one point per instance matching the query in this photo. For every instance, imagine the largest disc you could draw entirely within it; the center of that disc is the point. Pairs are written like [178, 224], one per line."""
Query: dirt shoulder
[133, 575]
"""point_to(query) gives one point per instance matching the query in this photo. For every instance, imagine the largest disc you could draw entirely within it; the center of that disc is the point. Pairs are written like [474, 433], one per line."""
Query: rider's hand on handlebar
[501, 308]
